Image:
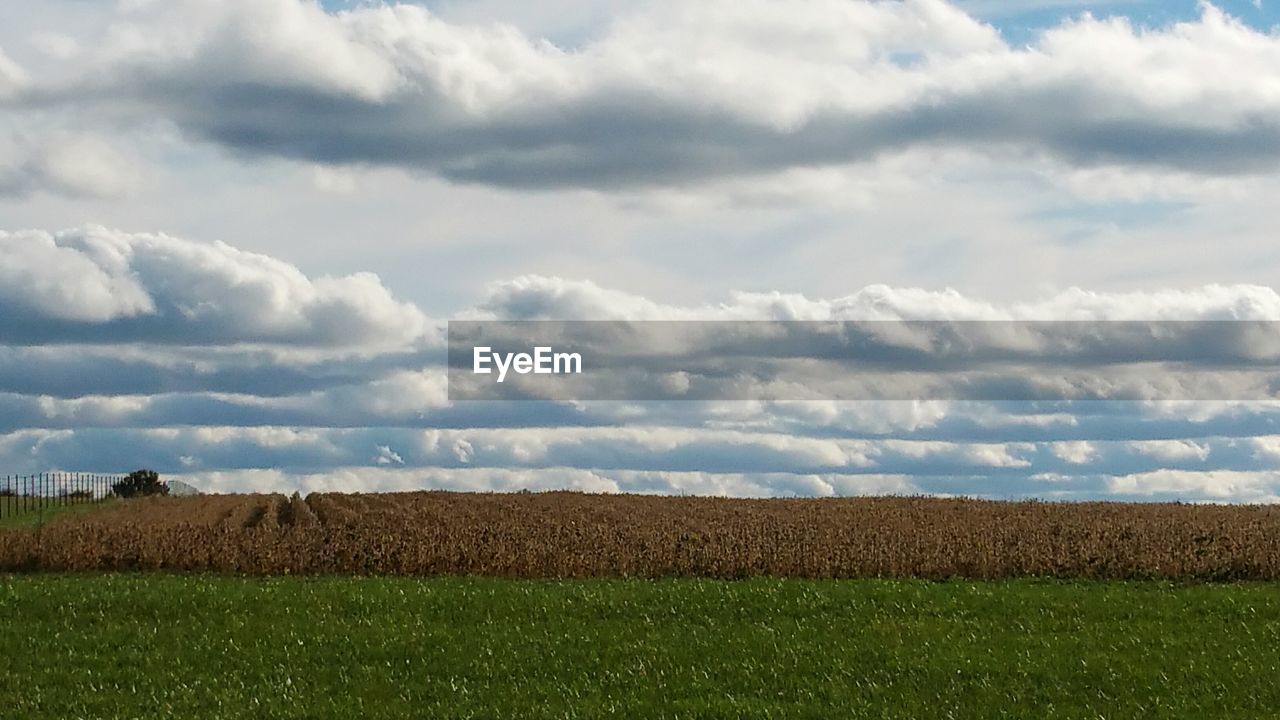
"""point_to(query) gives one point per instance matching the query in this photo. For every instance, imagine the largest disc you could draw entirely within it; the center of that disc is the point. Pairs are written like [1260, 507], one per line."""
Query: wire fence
[22, 494]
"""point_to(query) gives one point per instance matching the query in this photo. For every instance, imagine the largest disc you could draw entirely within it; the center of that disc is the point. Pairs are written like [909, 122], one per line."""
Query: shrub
[140, 483]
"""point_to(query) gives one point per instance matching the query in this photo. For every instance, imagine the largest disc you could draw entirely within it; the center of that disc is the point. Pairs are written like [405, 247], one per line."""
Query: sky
[231, 231]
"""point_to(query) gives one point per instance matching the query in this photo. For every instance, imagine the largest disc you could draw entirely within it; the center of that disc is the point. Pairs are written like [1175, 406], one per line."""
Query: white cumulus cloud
[111, 286]
[678, 92]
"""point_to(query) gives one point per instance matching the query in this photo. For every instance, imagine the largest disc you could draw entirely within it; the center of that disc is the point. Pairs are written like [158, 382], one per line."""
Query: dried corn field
[555, 535]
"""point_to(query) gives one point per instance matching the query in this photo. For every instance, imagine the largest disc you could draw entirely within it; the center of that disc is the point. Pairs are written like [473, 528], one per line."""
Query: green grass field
[42, 511]
[116, 646]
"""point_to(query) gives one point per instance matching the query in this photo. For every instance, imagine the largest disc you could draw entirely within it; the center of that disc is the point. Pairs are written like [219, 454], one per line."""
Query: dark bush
[140, 483]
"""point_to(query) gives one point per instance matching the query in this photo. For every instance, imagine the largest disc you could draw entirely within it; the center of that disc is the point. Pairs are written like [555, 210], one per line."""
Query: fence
[20, 494]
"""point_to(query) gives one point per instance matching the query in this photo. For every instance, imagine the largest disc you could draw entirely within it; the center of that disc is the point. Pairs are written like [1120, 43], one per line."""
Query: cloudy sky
[231, 230]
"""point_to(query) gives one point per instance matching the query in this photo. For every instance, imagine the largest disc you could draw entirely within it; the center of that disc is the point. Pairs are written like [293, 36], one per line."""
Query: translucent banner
[864, 360]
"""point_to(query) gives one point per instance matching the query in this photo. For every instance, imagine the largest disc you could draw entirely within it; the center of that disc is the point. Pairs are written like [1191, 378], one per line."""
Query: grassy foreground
[108, 646]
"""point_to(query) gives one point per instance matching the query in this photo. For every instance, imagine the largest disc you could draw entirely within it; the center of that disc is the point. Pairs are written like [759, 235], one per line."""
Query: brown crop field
[573, 535]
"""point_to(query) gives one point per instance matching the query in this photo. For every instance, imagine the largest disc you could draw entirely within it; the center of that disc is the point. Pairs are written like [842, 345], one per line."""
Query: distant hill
[177, 488]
